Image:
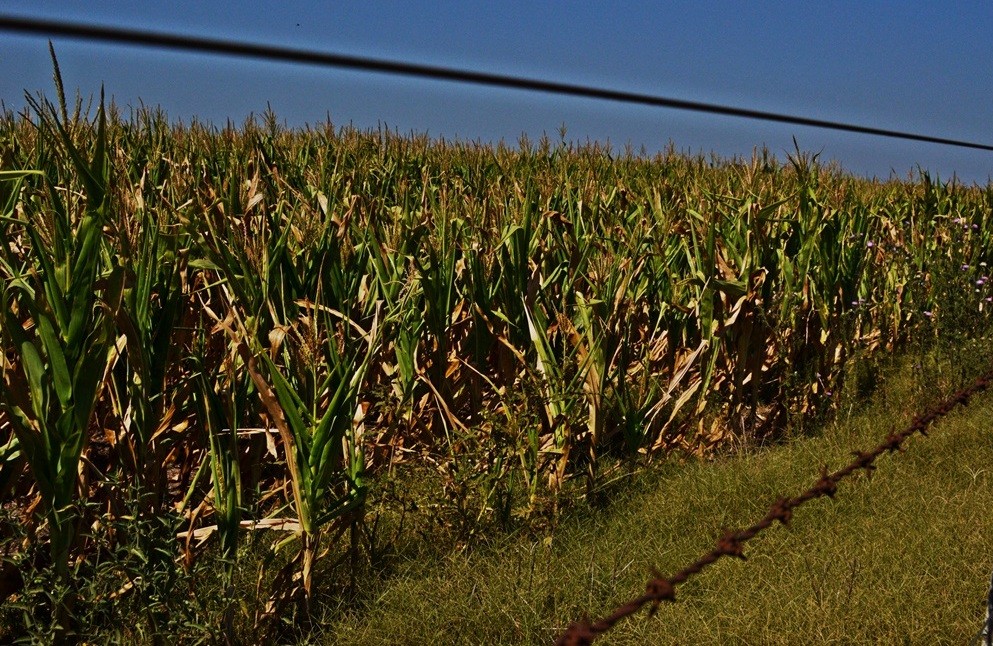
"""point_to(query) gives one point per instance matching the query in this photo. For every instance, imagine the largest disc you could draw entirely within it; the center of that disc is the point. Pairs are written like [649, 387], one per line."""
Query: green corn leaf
[16, 176]
[327, 433]
[34, 370]
[56, 360]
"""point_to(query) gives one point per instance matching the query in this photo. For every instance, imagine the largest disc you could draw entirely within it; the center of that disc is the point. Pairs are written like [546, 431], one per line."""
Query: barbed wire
[985, 636]
[731, 544]
[179, 42]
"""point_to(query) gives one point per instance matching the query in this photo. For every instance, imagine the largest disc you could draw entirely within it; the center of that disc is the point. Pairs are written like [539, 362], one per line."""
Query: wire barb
[781, 510]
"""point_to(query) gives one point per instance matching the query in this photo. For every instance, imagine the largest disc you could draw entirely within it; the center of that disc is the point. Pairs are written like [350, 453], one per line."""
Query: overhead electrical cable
[161, 40]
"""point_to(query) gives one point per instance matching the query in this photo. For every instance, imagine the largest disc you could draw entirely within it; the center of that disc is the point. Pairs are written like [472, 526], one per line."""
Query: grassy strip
[901, 559]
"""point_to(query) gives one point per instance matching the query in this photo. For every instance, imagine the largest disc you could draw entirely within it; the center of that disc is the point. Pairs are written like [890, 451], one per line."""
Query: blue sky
[924, 67]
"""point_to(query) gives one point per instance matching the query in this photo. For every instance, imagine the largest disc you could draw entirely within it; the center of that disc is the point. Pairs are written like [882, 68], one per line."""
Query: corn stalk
[58, 318]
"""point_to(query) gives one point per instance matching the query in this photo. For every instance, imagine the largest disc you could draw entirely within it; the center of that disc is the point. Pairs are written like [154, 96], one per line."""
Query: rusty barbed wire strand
[659, 588]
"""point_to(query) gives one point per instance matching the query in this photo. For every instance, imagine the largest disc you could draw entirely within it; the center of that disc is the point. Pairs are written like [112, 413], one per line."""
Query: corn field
[247, 326]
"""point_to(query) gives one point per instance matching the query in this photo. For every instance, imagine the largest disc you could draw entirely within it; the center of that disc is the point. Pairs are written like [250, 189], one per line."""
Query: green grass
[901, 558]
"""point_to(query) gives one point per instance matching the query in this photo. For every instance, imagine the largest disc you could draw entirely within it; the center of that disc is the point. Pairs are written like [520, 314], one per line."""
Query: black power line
[119, 35]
